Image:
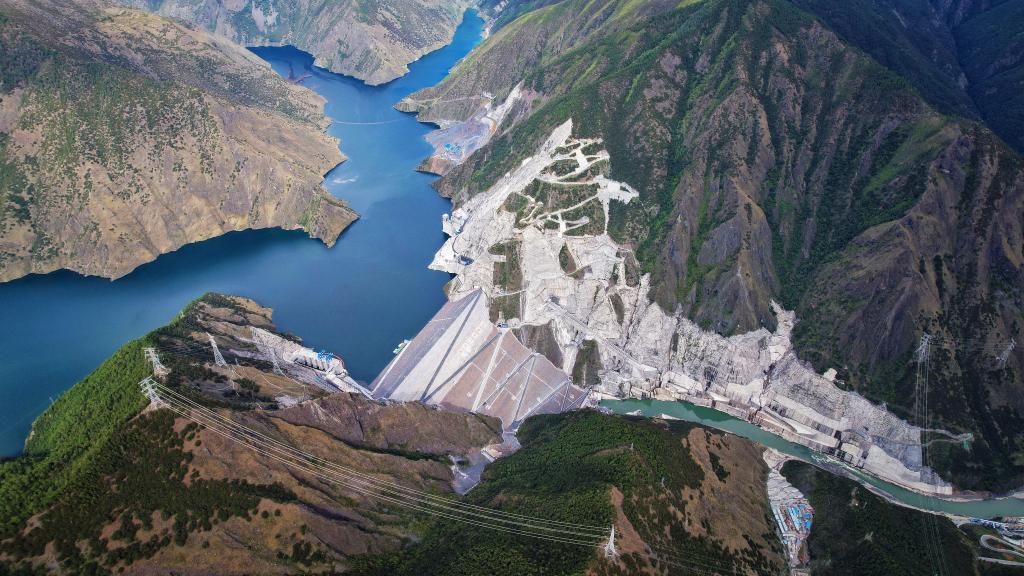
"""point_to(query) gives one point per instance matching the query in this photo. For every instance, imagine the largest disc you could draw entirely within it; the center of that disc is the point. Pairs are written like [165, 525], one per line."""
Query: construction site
[248, 362]
[454, 142]
[793, 514]
[535, 247]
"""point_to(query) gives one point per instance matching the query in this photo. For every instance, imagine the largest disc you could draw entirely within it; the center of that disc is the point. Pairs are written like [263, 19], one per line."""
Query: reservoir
[722, 421]
[358, 299]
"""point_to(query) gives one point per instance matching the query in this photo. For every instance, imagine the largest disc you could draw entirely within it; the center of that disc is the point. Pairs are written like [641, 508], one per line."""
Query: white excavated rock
[643, 350]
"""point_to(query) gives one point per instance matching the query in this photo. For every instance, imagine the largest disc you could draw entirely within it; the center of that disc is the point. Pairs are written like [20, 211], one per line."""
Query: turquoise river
[722, 421]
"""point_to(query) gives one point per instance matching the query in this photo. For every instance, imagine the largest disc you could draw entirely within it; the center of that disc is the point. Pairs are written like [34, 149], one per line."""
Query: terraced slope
[774, 161]
[124, 135]
[369, 39]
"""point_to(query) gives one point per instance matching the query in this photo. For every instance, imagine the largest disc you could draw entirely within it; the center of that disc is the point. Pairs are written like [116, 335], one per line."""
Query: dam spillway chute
[463, 361]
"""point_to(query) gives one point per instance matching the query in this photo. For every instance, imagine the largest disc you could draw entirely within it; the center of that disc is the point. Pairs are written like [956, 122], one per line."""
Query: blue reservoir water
[358, 299]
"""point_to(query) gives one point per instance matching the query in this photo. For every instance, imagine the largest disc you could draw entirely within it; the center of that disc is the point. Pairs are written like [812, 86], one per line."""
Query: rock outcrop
[124, 135]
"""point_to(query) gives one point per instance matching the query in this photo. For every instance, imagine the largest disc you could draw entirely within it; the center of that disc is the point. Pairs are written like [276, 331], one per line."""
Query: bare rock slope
[124, 135]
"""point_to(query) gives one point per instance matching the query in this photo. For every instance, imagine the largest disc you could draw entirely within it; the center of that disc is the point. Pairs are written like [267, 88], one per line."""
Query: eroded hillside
[124, 136]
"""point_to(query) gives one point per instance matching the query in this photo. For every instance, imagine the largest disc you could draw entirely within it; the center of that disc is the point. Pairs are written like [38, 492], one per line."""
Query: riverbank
[954, 505]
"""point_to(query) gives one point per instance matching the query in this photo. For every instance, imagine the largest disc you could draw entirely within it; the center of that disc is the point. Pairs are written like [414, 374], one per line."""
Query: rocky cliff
[773, 160]
[370, 40]
[124, 135]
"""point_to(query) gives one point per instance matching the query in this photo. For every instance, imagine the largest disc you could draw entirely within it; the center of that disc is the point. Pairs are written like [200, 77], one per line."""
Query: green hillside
[572, 467]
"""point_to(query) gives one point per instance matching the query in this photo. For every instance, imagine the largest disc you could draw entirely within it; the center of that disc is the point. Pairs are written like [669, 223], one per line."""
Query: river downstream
[720, 420]
[358, 299]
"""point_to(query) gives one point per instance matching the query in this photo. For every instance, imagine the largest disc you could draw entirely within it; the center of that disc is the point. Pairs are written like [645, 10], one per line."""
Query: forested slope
[965, 57]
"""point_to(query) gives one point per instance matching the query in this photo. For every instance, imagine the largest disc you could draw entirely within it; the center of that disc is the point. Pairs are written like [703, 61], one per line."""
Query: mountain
[683, 499]
[124, 135]
[369, 39]
[964, 57]
[775, 160]
[855, 532]
[108, 484]
[259, 466]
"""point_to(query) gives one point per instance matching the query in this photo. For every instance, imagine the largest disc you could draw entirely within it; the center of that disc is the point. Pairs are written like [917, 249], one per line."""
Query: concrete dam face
[463, 361]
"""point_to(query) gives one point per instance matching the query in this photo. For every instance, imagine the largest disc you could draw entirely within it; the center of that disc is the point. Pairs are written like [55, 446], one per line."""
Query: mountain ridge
[124, 136]
[371, 41]
[774, 161]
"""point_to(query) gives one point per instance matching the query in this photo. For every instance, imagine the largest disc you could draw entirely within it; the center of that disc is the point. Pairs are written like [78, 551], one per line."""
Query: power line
[332, 478]
[287, 455]
[933, 538]
[273, 444]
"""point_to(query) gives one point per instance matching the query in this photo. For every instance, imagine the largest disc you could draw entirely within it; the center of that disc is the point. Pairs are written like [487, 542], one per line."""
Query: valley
[716, 287]
[778, 165]
[558, 272]
[359, 301]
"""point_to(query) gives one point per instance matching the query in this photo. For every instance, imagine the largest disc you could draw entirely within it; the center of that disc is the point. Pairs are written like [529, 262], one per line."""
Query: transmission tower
[1005, 354]
[147, 388]
[266, 349]
[609, 547]
[158, 367]
[217, 357]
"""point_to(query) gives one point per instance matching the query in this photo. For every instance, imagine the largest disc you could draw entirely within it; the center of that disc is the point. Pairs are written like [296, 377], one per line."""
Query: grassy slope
[147, 461]
[106, 111]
